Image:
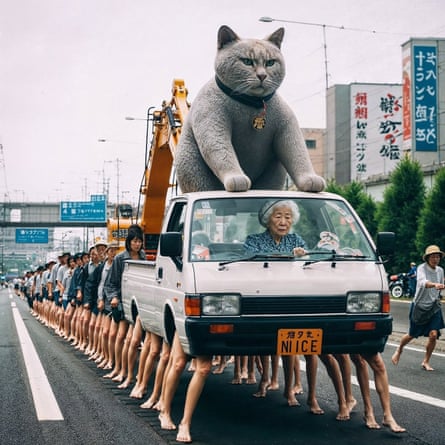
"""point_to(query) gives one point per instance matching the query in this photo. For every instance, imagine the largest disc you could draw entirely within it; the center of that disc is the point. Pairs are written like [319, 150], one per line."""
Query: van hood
[289, 277]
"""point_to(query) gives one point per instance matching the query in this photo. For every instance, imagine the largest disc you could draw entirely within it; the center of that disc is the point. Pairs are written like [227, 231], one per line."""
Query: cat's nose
[261, 77]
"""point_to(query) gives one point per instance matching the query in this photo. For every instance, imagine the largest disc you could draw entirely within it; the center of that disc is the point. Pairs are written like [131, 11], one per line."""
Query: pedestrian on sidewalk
[425, 315]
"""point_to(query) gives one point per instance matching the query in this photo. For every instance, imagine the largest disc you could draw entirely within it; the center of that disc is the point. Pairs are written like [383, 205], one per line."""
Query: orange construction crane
[159, 176]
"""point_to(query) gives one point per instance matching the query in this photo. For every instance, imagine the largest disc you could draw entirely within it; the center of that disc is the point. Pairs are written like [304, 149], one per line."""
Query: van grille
[293, 305]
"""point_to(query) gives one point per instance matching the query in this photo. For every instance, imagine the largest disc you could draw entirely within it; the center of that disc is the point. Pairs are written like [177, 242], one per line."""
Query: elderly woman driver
[277, 217]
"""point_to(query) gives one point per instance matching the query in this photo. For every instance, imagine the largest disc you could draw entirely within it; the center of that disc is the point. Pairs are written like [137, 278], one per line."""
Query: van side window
[177, 218]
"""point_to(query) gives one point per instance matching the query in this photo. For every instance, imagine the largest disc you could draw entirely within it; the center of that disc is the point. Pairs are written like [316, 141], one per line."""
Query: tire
[397, 291]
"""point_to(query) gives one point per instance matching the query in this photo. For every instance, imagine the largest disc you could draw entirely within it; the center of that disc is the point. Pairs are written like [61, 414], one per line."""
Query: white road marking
[45, 402]
[394, 390]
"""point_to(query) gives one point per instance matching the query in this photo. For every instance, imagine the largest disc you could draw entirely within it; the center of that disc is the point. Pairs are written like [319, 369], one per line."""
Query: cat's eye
[246, 61]
[270, 62]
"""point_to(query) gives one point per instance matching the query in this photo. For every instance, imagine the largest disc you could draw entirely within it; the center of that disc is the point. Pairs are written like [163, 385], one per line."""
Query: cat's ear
[277, 37]
[225, 36]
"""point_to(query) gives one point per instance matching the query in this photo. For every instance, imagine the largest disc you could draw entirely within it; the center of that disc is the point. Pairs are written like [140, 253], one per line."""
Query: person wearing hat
[430, 282]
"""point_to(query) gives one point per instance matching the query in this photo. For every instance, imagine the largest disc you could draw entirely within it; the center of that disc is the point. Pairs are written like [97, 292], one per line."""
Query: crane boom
[167, 126]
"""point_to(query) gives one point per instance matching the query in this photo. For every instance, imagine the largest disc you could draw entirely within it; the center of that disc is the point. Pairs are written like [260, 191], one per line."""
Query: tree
[432, 218]
[362, 202]
[399, 212]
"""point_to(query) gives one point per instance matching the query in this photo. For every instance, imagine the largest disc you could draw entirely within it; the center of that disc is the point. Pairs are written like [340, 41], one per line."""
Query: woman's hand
[114, 302]
[299, 251]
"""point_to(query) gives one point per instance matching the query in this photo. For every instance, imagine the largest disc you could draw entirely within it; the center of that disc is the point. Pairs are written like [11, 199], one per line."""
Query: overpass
[33, 214]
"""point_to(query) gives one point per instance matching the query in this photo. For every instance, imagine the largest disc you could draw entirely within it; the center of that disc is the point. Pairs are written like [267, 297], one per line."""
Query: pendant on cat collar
[259, 122]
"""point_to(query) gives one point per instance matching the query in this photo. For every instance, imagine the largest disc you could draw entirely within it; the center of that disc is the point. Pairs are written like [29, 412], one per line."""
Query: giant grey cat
[239, 133]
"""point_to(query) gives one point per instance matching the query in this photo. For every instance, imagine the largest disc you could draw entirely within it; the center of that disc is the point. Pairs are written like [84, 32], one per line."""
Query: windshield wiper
[262, 256]
[333, 256]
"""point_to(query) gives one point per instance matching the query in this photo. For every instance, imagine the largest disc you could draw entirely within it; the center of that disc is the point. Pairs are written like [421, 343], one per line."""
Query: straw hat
[430, 250]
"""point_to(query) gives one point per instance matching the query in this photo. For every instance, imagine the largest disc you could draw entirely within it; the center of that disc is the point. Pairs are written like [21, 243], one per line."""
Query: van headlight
[221, 305]
[363, 302]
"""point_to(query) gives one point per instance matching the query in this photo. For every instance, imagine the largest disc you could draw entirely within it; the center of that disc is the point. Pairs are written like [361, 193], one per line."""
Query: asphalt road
[95, 412]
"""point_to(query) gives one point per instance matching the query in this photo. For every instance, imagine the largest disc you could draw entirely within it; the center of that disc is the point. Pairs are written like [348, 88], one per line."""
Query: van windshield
[227, 229]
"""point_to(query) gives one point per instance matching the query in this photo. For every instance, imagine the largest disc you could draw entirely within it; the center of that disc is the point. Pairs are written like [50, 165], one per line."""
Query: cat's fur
[219, 148]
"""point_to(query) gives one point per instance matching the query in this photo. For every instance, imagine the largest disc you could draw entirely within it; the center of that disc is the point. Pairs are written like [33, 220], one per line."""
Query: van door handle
[160, 275]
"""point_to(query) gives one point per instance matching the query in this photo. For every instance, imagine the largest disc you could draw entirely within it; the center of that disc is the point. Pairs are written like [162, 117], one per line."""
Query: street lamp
[322, 25]
[148, 119]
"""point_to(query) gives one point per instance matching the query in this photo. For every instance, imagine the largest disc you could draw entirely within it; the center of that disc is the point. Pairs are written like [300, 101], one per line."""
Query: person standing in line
[430, 282]
[133, 251]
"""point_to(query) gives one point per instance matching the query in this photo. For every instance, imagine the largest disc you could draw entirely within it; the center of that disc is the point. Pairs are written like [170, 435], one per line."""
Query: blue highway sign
[84, 211]
[31, 236]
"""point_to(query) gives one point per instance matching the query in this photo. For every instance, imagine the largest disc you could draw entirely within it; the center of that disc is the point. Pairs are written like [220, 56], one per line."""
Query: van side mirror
[385, 243]
[170, 245]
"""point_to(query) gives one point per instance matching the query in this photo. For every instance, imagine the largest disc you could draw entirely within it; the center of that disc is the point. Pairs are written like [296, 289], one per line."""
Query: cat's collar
[252, 101]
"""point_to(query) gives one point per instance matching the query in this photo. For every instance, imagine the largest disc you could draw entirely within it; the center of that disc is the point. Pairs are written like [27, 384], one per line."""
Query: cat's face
[250, 66]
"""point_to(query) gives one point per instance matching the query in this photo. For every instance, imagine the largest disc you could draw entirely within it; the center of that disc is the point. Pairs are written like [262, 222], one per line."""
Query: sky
[71, 71]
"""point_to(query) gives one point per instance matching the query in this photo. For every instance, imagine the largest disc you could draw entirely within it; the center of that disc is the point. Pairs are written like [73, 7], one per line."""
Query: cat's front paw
[237, 183]
[311, 183]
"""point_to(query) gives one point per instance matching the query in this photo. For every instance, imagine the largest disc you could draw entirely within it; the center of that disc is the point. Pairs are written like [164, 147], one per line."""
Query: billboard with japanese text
[376, 129]
[425, 95]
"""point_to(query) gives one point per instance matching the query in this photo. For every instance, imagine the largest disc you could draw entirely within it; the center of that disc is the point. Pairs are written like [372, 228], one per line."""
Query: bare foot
[220, 368]
[110, 375]
[274, 386]
[244, 375]
[118, 378]
[184, 434]
[148, 404]
[352, 404]
[251, 380]
[396, 357]
[315, 407]
[125, 384]
[237, 380]
[166, 422]
[370, 422]
[137, 392]
[393, 425]
[426, 366]
[343, 413]
[297, 389]
[262, 389]
[291, 399]
[158, 406]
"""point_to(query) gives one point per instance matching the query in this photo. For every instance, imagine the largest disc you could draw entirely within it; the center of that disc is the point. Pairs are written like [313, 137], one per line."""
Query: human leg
[133, 347]
[161, 369]
[311, 375]
[361, 367]
[298, 387]
[430, 346]
[178, 360]
[265, 376]
[382, 387]
[403, 342]
[334, 373]
[288, 370]
[194, 390]
[346, 374]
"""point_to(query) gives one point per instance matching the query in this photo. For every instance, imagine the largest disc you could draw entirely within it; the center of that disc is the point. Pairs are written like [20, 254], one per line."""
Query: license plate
[299, 341]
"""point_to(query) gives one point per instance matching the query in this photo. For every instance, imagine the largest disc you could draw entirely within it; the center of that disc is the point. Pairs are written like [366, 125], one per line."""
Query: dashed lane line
[45, 402]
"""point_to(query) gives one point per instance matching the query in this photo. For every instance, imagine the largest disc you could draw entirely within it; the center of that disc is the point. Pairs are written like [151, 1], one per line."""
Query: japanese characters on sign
[84, 211]
[376, 128]
[425, 98]
[31, 236]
